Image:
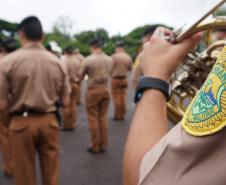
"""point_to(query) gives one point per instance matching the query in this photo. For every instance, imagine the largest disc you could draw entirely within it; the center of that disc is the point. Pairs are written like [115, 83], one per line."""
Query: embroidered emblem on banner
[207, 112]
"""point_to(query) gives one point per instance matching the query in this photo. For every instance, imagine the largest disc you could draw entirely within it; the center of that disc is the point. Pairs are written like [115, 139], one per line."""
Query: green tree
[85, 37]
[102, 34]
[8, 27]
[109, 47]
[64, 26]
[221, 11]
[62, 31]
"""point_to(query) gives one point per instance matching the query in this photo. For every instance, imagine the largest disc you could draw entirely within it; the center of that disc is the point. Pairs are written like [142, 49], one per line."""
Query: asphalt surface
[78, 167]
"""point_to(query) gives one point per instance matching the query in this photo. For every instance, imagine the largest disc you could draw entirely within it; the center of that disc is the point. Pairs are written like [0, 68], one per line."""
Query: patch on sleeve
[207, 112]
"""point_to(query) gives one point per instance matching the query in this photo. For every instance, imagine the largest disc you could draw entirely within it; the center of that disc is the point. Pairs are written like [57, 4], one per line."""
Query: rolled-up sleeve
[4, 84]
[83, 70]
[66, 88]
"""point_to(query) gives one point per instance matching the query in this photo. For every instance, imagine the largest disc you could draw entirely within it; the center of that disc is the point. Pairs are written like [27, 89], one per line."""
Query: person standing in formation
[7, 46]
[78, 55]
[122, 64]
[73, 67]
[32, 80]
[81, 58]
[98, 68]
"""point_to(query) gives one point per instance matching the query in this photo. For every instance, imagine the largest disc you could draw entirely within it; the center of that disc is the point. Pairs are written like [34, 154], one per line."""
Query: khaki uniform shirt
[122, 63]
[98, 68]
[2, 55]
[79, 57]
[32, 78]
[73, 67]
[182, 159]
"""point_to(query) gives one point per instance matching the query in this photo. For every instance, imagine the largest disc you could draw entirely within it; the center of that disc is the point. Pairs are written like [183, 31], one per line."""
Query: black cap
[120, 44]
[9, 45]
[27, 21]
[32, 28]
[69, 49]
[95, 42]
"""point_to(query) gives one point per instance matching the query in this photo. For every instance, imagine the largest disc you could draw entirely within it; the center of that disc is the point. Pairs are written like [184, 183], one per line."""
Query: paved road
[81, 168]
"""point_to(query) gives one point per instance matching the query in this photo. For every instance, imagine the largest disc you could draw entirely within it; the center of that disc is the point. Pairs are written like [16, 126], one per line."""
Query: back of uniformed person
[78, 55]
[32, 80]
[81, 58]
[73, 67]
[98, 68]
[122, 64]
[8, 45]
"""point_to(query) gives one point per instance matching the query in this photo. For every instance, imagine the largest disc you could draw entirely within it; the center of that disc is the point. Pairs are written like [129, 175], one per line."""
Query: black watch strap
[146, 83]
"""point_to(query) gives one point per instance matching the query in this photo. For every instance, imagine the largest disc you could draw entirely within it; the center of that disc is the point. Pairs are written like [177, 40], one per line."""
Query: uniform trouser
[119, 88]
[36, 133]
[70, 113]
[6, 153]
[97, 102]
[5, 143]
[79, 93]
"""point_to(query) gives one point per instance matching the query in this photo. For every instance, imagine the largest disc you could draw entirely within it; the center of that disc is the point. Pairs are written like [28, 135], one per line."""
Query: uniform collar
[98, 53]
[33, 45]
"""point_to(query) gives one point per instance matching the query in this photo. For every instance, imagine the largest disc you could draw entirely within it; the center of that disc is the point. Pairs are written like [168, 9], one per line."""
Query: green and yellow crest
[207, 112]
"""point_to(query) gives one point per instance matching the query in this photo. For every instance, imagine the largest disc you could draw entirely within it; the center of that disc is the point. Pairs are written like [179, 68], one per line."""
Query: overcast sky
[116, 16]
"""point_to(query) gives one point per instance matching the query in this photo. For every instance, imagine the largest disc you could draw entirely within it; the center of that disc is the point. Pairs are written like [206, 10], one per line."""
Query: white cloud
[117, 16]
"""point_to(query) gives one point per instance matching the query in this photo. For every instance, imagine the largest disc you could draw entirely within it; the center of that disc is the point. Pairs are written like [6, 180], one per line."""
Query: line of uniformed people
[32, 80]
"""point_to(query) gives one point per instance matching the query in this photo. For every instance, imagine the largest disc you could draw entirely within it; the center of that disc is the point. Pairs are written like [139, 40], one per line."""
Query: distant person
[122, 64]
[54, 48]
[78, 55]
[31, 81]
[137, 71]
[73, 67]
[7, 46]
[81, 58]
[98, 68]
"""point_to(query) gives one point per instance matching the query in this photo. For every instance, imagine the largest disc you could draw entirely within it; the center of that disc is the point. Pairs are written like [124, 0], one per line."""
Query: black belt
[119, 77]
[26, 113]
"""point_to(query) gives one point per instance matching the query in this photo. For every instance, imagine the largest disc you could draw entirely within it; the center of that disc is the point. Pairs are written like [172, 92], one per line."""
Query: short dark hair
[95, 42]
[69, 50]
[31, 27]
[120, 44]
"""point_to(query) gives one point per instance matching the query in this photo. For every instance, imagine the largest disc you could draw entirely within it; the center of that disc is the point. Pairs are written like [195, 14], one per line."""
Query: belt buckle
[25, 114]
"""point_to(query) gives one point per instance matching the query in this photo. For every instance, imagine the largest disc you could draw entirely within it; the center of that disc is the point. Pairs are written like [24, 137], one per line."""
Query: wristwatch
[145, 83]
